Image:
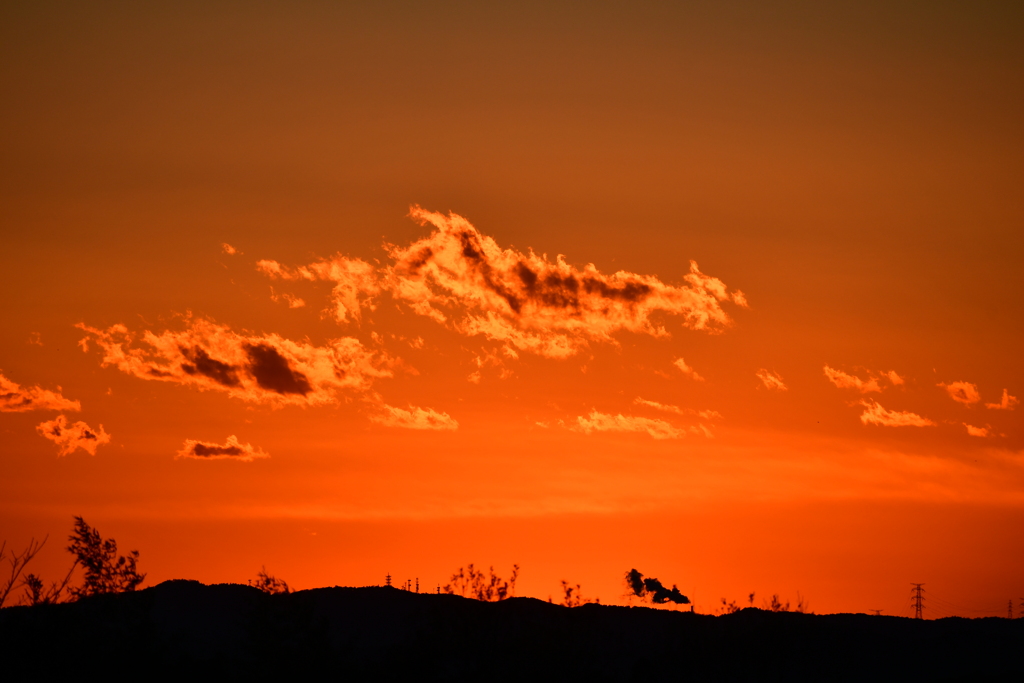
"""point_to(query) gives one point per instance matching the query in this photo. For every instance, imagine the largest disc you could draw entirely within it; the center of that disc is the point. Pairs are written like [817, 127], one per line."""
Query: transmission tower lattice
[918, 600]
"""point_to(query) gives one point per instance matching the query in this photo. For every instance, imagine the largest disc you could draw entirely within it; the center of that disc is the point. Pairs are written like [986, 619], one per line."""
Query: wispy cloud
[664, 407]
[15, 398]
[1007, 403]
[228, 249]
[962, 392]
[846, 381]
[894, 378]
[70, 437]
[604, 422]
[356, 282]
[874, 413]
[414, 418]
[494, 358]
[255, 368]
[232, 449]
[292, 301]
[687, 370]
[771, 380]
[977, 431]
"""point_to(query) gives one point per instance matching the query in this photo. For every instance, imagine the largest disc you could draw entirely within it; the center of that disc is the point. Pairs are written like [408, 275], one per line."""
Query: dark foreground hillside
[382, 633]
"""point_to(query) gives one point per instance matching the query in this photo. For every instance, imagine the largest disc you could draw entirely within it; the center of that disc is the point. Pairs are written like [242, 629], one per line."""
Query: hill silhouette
[381, 633]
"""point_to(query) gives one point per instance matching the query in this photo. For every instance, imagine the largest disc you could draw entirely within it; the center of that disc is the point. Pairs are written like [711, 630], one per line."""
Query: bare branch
[17, 562]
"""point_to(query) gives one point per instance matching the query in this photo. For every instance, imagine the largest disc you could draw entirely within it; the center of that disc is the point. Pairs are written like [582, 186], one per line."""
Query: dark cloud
[271, 371]
[232, 449]
[202, 364]
[201, 449]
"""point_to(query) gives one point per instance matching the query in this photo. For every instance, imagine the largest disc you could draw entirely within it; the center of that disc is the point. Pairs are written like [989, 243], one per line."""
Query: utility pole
[417, 584]
[1009, 610]
[918, 600]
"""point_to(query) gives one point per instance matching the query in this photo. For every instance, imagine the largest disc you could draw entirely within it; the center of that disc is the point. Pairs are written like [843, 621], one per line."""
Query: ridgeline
[187, 628]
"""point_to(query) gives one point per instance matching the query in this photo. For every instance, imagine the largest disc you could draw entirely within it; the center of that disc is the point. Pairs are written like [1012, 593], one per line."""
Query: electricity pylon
[918, 599]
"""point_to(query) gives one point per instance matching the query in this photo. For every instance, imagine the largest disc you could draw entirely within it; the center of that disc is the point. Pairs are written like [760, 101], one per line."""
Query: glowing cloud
[686, 369]
[259, 369]
[1007, 403]
[461, 278]
[228, 249]
[414, 418]
[17, 399]
[230, 450]
[845, 381]
[894, 378]
[874, 413]
[603, 422]
[70, 437]
[977, 431]
[962, 392]
[661, 406]
[771, 380]
[356, 282]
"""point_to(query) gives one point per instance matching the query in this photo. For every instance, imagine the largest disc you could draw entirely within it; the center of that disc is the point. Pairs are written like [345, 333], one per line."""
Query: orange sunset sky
[729, 292]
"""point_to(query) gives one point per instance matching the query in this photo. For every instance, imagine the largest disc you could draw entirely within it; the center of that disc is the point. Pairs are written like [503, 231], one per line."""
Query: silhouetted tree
[105, 570]
[653, 590]
[480, 586]
[269, 583]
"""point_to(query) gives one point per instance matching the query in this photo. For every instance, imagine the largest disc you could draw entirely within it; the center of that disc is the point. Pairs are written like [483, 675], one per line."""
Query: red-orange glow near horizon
[730, 295]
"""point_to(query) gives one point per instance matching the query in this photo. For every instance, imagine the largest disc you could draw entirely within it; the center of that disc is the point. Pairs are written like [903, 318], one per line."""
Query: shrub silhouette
[776, 605]
[36, 592]
[572, 597]
[653, 590]
[103, 573]
[473, 583]
[269, 583]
